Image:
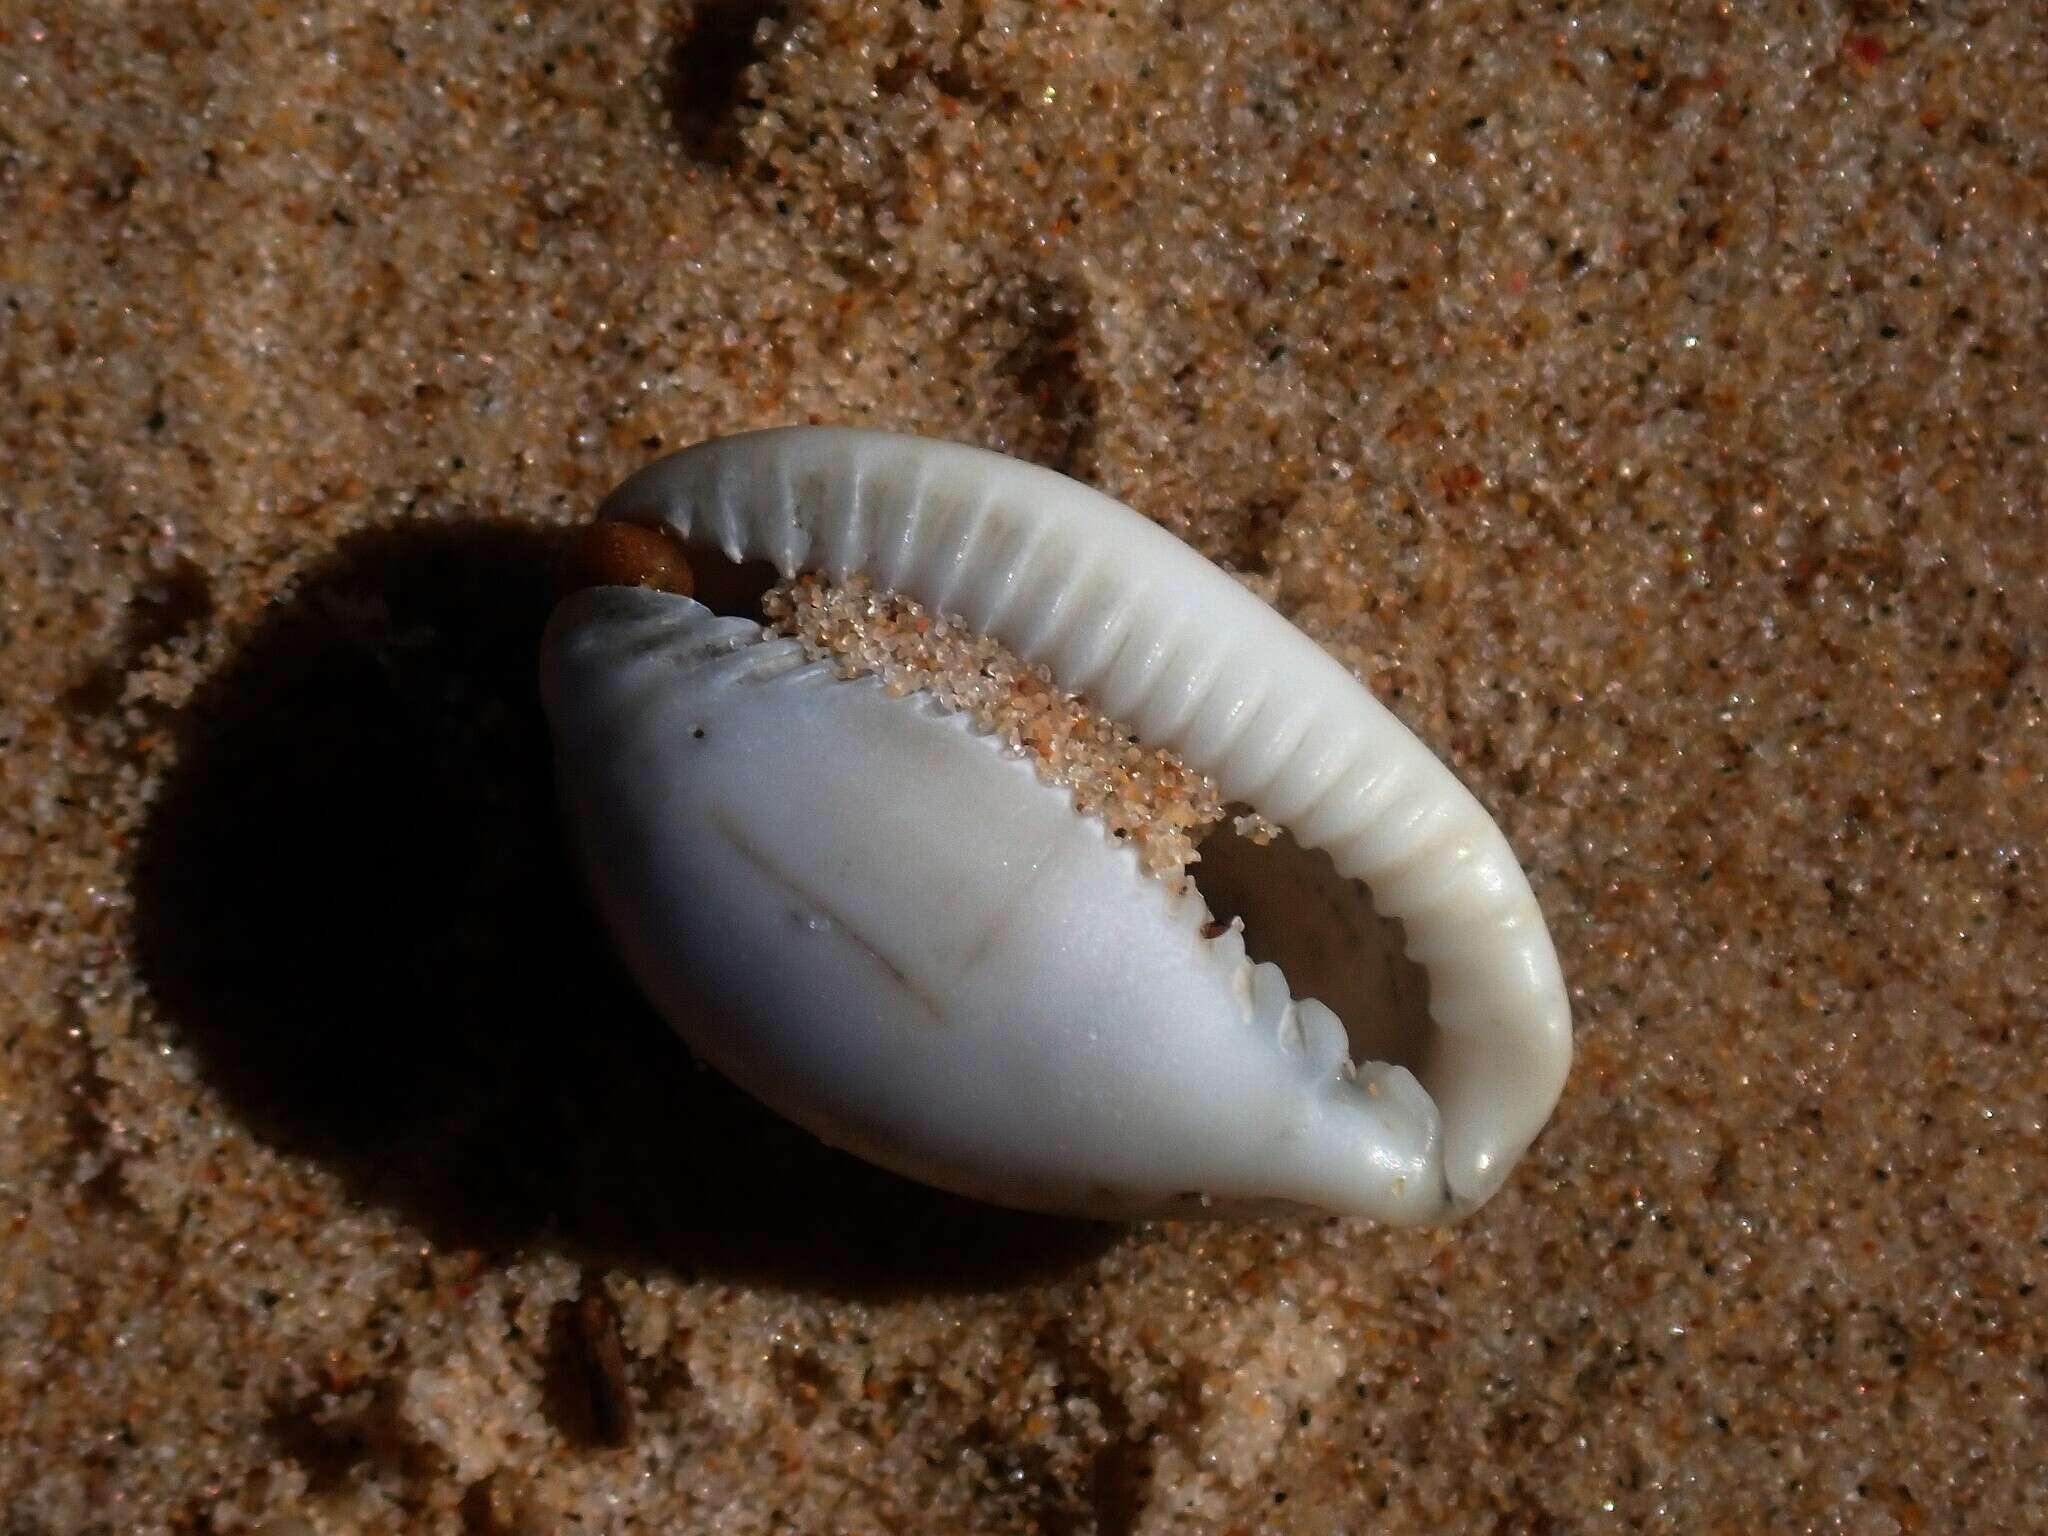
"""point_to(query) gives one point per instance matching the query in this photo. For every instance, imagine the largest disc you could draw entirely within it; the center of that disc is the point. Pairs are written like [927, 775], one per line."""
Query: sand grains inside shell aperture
[1148, 796]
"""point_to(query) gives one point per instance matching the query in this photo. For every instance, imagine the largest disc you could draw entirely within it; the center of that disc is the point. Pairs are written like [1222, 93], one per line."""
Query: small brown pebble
[626, 555]
[604, 1367]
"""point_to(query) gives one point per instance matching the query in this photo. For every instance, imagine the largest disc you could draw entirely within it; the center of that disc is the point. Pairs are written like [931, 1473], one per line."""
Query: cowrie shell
[878, 923]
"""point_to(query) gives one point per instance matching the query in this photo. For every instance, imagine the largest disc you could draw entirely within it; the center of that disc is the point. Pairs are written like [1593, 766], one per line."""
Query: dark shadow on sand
[703, 84]
[353, 904]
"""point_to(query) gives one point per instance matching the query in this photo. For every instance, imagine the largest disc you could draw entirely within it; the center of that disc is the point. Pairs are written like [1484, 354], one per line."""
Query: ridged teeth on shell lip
[1326, 1046]
[757, 663]
[1272, 1003]
[1269, 1004]
[1227, 946]
[728, 650]
[1396, 1086]
[1306, 1028]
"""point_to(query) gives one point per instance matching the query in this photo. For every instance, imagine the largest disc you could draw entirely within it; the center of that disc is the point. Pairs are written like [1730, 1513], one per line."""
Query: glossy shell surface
[877, 922]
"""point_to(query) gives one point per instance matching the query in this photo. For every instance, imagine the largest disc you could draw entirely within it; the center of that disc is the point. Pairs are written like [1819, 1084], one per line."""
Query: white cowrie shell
[870, 918]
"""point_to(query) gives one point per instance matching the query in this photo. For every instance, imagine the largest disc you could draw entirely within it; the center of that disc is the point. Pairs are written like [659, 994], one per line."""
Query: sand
[1145, 797]
[1650, 408]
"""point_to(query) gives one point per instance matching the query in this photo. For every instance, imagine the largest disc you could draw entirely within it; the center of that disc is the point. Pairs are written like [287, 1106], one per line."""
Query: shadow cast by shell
[354, 906]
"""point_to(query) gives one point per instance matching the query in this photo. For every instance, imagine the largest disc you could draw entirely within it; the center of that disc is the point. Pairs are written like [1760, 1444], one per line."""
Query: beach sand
[1650, 409]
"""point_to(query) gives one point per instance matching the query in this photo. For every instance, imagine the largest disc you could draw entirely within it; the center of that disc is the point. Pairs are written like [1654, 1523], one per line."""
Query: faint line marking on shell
[971, 956]
[813, 905]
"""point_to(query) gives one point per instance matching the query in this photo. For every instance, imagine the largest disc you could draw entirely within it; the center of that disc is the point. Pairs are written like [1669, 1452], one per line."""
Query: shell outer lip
[1116, 607]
